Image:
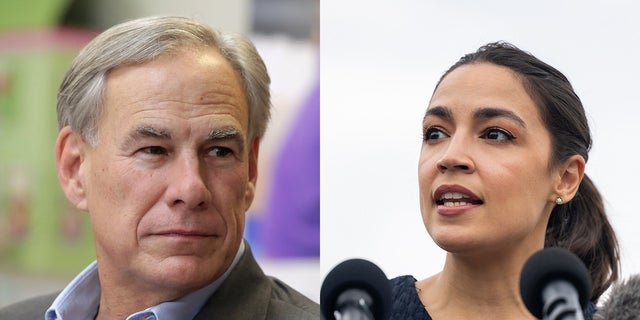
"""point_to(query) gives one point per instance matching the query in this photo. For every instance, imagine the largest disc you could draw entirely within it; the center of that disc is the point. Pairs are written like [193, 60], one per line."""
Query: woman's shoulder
[406, 302]
[589, 311]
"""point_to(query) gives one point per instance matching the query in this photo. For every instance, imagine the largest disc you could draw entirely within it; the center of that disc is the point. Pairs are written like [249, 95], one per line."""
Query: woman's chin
[455, 242]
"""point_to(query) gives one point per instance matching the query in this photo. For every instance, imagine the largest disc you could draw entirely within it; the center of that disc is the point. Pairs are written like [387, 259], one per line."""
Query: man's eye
[154, 150]
[433, 133]
[221, 151]
[497, 134]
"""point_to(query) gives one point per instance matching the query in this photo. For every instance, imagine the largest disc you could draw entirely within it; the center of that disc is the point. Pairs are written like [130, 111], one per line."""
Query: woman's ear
[570, 176]
[70, 148]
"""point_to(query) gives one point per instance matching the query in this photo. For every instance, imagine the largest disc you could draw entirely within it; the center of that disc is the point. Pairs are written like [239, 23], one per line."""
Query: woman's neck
[474, 286]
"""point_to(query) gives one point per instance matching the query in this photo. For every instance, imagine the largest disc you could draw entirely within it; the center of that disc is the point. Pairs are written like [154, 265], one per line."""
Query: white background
[380, 61]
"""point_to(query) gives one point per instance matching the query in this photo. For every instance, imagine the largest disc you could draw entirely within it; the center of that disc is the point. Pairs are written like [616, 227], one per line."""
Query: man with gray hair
[160, 121]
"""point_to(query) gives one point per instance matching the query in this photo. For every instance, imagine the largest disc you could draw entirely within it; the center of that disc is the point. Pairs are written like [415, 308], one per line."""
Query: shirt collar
[80, 299]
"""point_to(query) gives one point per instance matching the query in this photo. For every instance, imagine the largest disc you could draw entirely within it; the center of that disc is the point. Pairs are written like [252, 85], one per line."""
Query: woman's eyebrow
[490, 112]
[440, 112]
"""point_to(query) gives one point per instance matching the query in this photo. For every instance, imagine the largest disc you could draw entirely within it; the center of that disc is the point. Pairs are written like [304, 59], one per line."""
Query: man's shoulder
[33, 308]
[288, 303]
[250, 294]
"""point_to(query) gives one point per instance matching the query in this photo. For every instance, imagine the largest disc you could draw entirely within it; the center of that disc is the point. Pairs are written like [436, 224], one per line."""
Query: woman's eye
[497, 134]
[433, 133]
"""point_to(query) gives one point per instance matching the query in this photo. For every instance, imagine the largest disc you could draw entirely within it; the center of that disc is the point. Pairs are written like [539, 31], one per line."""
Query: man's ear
[70, 154]
[252, 159]
[570, 176]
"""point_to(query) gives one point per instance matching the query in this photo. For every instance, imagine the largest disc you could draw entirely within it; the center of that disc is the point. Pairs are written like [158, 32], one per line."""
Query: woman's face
[485, 183]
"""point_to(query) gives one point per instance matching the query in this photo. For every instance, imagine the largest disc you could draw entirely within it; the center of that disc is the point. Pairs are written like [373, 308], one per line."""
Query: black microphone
[623, 302]
[555, 284]
[356, 289]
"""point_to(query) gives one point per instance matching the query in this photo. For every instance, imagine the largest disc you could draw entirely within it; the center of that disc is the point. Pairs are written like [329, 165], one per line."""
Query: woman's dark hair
[580, 225]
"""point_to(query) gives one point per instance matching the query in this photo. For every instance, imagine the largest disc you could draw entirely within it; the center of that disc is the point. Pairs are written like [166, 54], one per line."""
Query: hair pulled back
[580, 225]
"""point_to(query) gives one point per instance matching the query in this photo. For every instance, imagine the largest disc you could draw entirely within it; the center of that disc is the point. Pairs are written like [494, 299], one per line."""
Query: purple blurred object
[291, 222]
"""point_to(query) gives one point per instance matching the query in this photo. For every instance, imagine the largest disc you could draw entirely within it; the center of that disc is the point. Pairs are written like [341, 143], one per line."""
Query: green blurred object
[40, 232]
[31, 13]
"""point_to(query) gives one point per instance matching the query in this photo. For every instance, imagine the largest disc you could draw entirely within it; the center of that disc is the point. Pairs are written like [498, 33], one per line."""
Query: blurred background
[45, 242]
[380, 63]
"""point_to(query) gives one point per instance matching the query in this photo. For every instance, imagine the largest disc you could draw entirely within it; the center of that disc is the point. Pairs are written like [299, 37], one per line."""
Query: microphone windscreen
[356, 274]
[623, 302]
[548, 265]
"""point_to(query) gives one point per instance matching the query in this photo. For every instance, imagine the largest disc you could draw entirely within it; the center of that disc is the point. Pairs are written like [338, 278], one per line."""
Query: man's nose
[188, 186]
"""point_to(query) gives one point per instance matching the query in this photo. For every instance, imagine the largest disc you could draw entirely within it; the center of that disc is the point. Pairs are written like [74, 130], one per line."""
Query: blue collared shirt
[80, 299]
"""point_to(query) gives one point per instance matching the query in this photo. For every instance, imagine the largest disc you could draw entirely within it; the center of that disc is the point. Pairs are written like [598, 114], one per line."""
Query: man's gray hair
[80, 99]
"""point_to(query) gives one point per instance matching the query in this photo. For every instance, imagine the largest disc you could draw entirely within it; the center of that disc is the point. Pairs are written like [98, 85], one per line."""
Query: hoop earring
[559, 200]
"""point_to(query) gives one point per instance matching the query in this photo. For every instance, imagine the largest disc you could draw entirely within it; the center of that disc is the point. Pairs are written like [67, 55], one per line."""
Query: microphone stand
[353, 304]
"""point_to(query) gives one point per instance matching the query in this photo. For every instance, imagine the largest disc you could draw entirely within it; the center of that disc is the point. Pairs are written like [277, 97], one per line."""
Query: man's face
[173, 173]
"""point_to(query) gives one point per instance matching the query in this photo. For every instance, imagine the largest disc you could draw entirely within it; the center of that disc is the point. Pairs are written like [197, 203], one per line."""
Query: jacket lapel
[243, 295]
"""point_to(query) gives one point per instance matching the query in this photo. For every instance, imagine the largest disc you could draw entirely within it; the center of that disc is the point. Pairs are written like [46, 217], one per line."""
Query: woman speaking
[501, 175]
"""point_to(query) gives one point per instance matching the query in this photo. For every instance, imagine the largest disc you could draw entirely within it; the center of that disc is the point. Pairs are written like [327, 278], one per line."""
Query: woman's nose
[456, 156]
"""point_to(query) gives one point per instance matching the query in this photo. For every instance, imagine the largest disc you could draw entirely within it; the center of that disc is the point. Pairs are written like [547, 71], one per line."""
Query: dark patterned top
[407, 304]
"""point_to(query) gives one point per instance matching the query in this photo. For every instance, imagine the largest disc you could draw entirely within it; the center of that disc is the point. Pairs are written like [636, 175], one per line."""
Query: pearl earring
[559, 200]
